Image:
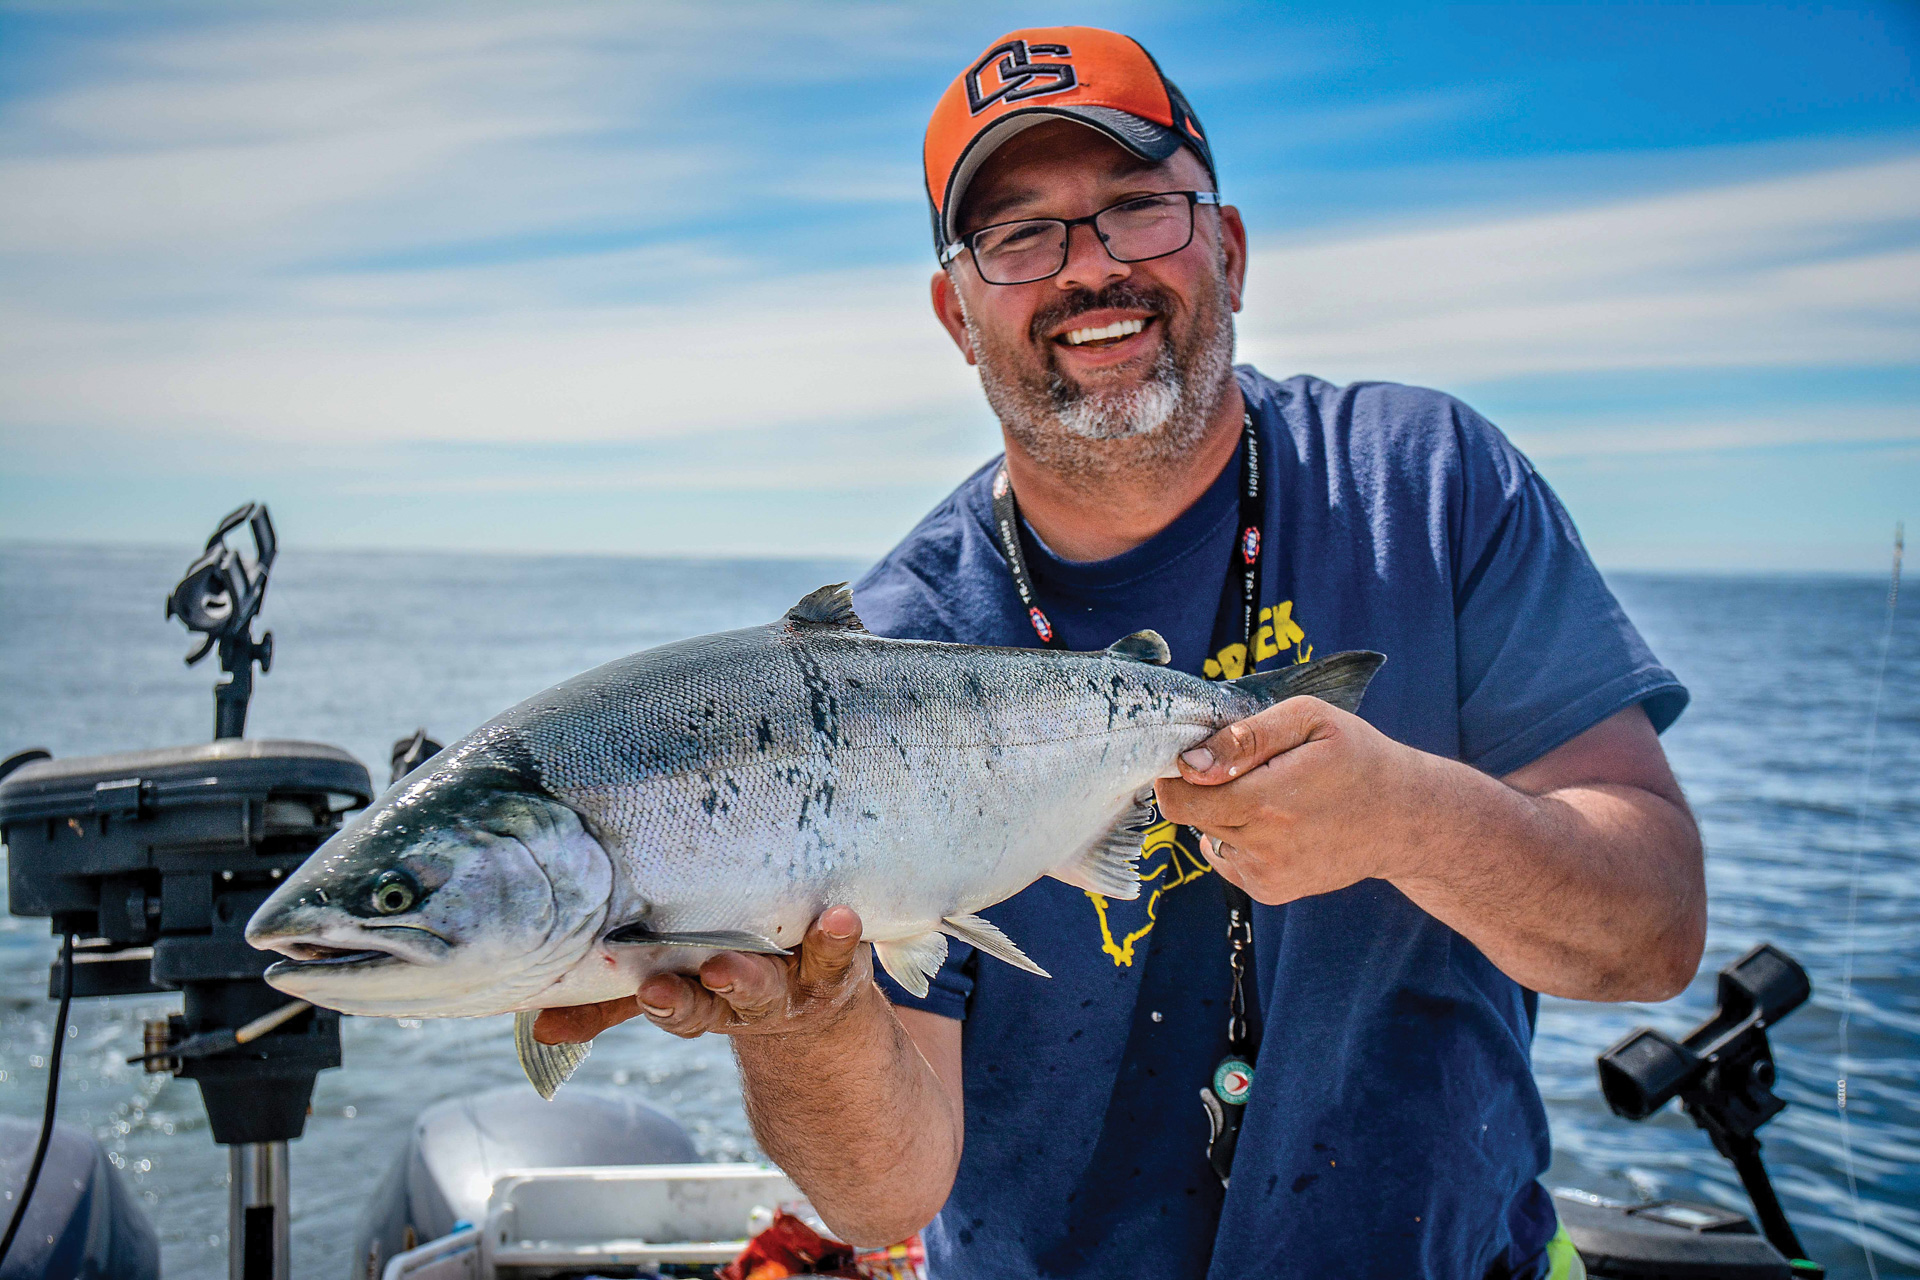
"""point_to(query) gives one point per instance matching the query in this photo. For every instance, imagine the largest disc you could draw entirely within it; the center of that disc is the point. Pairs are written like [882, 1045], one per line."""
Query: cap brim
[1143, 138]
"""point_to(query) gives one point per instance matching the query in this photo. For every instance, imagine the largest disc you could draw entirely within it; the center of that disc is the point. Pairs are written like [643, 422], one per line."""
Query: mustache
[1120, 295]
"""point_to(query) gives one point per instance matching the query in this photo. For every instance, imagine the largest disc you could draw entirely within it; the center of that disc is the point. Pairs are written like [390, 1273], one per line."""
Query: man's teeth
[1118, 329]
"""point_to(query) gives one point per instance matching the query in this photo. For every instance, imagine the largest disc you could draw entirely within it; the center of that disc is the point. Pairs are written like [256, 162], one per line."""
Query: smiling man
[1304, 1049]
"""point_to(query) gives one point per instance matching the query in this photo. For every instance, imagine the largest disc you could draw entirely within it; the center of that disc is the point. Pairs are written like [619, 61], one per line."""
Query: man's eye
[1020, 236]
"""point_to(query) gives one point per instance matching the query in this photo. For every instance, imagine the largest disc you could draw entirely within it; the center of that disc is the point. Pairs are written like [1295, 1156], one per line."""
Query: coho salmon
[718, 793]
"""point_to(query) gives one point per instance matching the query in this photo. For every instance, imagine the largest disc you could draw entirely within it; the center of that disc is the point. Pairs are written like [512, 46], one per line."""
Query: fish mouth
[309, 955]
[399, 944]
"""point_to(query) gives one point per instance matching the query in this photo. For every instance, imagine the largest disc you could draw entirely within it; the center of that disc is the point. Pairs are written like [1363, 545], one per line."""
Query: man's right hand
[737, 993]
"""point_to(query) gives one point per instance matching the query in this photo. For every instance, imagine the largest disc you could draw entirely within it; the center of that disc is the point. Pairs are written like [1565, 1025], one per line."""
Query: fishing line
[1853, 896]
[53, 1098]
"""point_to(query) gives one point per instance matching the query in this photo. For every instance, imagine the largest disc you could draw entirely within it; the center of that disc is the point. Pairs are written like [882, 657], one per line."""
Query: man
[1500, 820]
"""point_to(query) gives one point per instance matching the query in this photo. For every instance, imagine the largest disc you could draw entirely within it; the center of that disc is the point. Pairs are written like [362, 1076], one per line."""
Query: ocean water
[370, 647]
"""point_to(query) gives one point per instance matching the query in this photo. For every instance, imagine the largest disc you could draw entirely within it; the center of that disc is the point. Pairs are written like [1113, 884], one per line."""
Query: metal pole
[257, 1237]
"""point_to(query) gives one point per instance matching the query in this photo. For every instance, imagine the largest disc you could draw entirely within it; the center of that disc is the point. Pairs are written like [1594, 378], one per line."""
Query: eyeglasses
[1135, 230]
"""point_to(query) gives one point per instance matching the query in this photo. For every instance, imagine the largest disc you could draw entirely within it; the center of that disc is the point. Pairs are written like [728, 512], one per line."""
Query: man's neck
[1095, 518]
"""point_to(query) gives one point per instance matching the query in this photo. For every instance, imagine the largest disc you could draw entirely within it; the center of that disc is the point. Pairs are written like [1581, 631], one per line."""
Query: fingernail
[1199, 759]
[656, 1011]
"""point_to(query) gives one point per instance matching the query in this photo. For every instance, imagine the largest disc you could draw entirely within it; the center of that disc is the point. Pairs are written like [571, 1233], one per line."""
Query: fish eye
[394, 892]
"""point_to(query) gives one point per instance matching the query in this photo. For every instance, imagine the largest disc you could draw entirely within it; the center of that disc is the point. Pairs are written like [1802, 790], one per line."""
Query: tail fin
[1340, 679]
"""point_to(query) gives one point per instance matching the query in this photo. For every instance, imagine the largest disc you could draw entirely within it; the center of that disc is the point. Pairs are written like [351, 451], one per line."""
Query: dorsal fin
[828, 607]
[1142, 646]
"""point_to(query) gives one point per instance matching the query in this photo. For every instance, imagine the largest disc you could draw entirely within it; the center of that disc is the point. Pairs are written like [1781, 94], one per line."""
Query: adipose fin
[912, 962]
[986, 936]
[546, 1065]
[1110, 866]
[1142, 646]
[1340, 679]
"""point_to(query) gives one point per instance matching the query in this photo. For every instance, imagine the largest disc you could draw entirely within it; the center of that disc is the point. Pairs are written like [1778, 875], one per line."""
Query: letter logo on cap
[1018, 76]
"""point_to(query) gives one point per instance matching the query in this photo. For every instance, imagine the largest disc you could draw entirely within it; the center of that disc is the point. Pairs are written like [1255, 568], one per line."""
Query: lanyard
[1225, 1096]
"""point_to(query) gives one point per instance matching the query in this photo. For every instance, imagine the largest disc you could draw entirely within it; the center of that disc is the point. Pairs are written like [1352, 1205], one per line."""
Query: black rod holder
[1722, 1072]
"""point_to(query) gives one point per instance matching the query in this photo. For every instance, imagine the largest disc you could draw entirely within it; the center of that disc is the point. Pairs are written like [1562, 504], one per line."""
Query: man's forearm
[1578, 874]
[1591, 891]
[858, 1118]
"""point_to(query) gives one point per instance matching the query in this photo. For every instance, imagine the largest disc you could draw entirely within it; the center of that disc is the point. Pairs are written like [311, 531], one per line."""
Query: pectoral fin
[912, 962]
[640, 935]
[1110, 866]
[546, 1065]
[986, 935]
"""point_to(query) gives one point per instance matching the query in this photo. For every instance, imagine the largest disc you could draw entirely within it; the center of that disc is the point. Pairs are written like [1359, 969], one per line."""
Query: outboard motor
[149, 864]
[442, 1178]
[84, 1224]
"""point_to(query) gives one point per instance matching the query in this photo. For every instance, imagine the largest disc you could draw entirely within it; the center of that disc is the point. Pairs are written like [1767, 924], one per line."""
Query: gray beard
[1095, 434]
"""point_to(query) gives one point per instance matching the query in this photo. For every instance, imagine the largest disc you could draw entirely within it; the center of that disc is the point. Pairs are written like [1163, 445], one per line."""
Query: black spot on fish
[763, 733]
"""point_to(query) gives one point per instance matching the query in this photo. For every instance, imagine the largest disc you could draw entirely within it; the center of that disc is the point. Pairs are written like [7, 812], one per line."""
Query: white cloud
[172, 250]
[1814, 268]
[1852, 425]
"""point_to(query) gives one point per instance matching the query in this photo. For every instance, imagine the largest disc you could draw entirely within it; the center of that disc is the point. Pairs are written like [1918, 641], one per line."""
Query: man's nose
[1089, 265]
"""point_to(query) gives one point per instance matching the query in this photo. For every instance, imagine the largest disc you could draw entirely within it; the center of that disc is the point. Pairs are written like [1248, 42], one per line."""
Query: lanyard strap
[1225, 1097]
[1242, 562]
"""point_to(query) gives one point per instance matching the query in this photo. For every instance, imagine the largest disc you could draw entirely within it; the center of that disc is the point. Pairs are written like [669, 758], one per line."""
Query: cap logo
[1015, 77]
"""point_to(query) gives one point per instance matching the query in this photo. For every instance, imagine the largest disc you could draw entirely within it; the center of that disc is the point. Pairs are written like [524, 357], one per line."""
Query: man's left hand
[1299, 799]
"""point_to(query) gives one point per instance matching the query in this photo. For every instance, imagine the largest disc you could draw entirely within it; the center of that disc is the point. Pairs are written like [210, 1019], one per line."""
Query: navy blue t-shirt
[1394, 1126]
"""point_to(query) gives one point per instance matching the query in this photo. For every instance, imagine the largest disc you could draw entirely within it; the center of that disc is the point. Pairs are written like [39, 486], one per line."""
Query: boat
[149, 864]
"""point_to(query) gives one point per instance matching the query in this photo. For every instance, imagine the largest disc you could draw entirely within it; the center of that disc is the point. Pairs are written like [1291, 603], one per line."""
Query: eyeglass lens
[1021, 252]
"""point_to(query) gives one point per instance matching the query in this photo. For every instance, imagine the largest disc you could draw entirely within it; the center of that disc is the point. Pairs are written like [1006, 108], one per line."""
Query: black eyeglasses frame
[1067, 225]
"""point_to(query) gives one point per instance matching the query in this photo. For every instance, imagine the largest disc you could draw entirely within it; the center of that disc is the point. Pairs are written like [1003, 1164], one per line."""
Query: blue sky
[649, 278]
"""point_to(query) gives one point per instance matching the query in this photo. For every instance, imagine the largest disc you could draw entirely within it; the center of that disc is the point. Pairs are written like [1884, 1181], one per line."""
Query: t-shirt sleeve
[947, 994]
[1544, 650]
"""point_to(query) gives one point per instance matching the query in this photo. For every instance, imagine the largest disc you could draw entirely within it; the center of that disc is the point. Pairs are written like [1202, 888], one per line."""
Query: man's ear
[946, 307]
[1233, 236]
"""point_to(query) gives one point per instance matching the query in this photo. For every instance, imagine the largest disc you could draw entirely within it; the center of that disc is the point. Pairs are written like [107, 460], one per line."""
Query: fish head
[465, 891]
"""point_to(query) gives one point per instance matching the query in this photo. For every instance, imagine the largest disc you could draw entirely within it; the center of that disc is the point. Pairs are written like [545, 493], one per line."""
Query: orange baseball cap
[1101, 79]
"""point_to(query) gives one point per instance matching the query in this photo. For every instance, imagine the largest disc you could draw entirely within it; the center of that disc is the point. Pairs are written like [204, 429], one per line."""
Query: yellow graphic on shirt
[1276, 633]
[1166, 860]
[1165, 865]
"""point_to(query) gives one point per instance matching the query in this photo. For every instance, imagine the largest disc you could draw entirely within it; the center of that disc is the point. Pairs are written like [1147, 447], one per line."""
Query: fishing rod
[1853, 895]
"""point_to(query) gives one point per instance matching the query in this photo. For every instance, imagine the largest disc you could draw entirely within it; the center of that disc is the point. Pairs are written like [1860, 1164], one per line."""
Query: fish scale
[718, 793]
